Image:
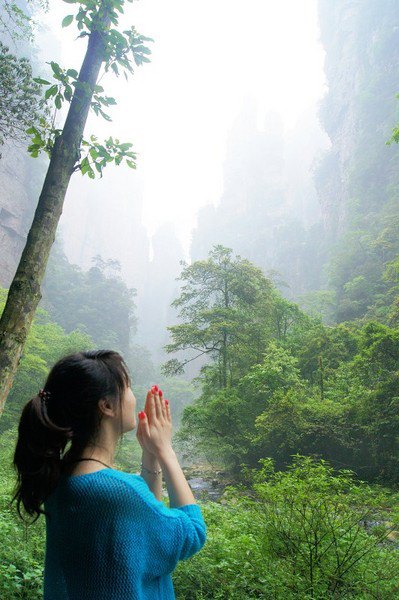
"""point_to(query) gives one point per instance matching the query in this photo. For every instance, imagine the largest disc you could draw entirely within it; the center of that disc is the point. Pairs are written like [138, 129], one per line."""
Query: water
[206, 489]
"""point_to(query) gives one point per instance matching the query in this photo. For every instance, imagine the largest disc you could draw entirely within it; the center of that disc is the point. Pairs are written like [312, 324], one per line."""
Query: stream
[206, 485]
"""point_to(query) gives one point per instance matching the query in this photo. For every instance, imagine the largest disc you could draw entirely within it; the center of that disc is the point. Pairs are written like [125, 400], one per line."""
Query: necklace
[95, 459]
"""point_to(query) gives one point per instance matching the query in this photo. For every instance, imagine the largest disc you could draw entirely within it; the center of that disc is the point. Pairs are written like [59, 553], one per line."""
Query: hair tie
[44, 396]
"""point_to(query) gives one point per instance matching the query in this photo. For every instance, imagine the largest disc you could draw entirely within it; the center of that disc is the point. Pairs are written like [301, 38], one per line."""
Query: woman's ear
[106, 407]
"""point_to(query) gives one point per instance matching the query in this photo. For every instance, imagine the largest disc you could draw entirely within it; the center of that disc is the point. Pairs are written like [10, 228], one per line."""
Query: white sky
[207, 57]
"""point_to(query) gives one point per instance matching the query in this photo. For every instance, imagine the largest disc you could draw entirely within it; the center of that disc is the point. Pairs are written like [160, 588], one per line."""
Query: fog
[208, 60]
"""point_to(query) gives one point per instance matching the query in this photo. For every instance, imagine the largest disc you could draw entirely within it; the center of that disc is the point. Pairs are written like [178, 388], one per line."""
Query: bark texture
[24, 294]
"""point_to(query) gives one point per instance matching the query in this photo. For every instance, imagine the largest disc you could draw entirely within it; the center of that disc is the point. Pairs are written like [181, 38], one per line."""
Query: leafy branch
[123, 50]
[98, 155]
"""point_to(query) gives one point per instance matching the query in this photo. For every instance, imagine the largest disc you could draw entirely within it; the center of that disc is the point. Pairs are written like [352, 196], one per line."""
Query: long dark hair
[65, 411]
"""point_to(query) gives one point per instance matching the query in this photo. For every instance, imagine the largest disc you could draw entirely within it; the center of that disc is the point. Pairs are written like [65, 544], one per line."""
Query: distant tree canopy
[20, 96]
[47, 342]
[96, 301]
[227, 307]
[16, 20]
[293, 385]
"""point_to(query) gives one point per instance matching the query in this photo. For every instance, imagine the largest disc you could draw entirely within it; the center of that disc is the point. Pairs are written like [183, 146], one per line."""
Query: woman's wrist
[166, 455]
[149, 460]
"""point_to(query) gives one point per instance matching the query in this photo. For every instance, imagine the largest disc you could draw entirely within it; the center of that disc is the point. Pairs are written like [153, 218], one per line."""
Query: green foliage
[22, 550]
[98, 155]
[224, 304]
[329, 392]
[17, 23]
[305, 534]
[46, 343]
[123, 51]
[123, 48]
[314, 518]
[20, 102]
[96, 301]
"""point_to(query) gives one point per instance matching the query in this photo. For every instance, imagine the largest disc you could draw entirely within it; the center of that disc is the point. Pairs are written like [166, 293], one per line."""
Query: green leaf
[58, 101]
[51, 91]
[143, 38]
[67, 20]
[104, 115]
[72, 73]
[56, 69]
[131, 164]
[124, 147]
[84, 165]
[41, 81]
[68, 93]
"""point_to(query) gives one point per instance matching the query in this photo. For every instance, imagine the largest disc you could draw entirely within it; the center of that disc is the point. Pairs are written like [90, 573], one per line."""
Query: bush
[296, 535]
[22, 550]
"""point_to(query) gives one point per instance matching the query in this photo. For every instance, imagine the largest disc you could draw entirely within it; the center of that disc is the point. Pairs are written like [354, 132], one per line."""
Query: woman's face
[128, 410]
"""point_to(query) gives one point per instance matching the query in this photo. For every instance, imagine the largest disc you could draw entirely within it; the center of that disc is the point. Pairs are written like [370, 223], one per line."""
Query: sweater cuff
[192, 510]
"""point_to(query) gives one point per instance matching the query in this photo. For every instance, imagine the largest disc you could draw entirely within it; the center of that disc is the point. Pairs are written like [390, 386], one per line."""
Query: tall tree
[116, 50]
[225, 302]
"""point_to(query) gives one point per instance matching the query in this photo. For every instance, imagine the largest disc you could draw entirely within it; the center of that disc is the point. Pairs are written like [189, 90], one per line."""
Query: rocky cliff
[361, 40]
[19, 189]
[269, 202]
[358, 178]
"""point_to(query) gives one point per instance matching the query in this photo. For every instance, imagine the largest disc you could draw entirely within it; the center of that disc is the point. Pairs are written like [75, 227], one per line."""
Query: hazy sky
[207, 57]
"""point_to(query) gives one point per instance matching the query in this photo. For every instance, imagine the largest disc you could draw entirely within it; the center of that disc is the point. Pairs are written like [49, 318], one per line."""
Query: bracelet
[148, 471]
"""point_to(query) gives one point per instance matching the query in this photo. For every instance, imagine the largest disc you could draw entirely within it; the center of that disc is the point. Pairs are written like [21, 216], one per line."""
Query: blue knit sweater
[109, 538]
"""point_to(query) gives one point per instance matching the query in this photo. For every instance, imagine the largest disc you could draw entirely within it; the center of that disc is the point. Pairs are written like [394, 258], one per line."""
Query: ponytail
[37, 456]
[66, 410]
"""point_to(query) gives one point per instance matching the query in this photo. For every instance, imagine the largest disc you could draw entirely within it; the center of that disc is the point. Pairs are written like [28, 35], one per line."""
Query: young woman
[108, 535]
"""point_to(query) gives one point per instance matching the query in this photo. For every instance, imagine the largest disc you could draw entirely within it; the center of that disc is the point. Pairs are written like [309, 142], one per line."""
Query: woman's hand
[154, 430]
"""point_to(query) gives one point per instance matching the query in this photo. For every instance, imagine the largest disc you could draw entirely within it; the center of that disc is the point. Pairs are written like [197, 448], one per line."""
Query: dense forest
[276, 340]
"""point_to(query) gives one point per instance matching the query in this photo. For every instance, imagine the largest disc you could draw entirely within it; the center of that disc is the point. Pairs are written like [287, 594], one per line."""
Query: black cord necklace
[95, 459]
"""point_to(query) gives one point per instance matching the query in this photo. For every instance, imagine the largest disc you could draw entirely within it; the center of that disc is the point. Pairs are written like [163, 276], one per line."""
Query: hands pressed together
[154, 429]
[154, 433]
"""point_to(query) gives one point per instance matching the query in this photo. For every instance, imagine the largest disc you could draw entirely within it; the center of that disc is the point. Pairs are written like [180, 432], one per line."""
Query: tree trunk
[25, 294]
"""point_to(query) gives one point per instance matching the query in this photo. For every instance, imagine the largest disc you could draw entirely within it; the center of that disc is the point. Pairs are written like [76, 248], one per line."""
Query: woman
[108, 535]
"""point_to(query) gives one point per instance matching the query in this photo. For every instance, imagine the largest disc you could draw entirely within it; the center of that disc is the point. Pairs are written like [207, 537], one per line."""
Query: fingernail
[166, 402]
[161, 393]
[142, 415]
[156, 388]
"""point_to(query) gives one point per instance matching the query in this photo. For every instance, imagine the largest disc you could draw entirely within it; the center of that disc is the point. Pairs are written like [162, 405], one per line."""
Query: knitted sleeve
[168, 534]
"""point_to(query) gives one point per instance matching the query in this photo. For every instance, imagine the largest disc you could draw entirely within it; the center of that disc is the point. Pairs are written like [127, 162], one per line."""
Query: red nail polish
[161, 393]
[166, 402]
[156, 388]
[142, 415]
